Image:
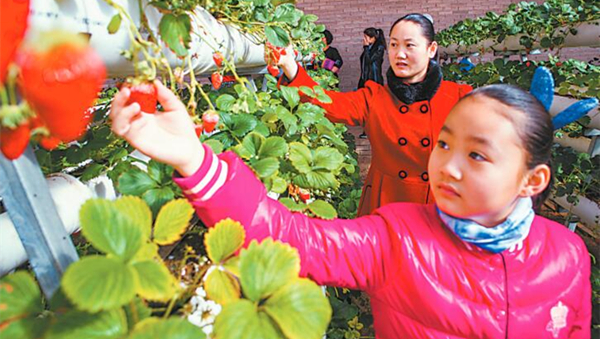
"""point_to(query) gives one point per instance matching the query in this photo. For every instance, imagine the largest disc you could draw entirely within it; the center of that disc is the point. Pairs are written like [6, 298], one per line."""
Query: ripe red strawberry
[210, 119]
[144, 93]
[273, 70]
[60, 78]
[217, 79]
[198, 129]
[558, 64]
[303, 194]
[13, 15]
[49, 143]
[218, 58]
[14, 141]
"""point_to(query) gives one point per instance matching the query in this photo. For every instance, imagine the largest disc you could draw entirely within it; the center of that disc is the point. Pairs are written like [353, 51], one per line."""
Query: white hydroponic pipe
[588, 35]
[587, 210]
[68, 194]
[93, 17]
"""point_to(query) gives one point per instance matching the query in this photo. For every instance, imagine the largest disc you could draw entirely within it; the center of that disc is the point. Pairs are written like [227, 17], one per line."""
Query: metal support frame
[30, 207]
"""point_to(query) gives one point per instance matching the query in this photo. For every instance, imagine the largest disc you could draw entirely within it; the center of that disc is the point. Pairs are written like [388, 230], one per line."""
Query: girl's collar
[421, 91]
[500, 237]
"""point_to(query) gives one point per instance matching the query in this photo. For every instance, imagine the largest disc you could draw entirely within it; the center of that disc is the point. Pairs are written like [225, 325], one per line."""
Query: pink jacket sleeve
[351, 108]
[345, 253]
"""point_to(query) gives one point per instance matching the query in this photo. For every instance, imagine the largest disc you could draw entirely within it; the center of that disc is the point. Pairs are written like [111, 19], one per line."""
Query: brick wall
[347, 19]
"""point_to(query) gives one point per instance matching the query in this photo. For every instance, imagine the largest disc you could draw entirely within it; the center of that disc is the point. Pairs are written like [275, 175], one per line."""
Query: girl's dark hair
[376, 33]
[421, 20]
[328, 37]
[535, 130]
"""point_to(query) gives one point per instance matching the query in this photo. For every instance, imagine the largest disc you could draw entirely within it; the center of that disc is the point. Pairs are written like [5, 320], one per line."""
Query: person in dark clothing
[371, 58]
[333, 60]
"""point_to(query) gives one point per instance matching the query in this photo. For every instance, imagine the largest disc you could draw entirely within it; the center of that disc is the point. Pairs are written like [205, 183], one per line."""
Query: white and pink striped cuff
[208, 178]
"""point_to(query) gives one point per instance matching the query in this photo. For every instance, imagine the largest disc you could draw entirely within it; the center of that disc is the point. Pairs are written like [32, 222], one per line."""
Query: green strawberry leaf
[157, 197]
[292, 205]
[301, 157]
[172, 220]
[277, 36]
[171, 328]
[265, 167]
[242, 320]
[138, 211]
[154, 281]
[76, 324]
[322, 209]
[300, 309]
[19, 297]
[222, 287]
[290, 94]
[266, 267]
[273, 147]
[175, 32]
[223, 240]
[135, 182]
[97, 283]
[109, 230]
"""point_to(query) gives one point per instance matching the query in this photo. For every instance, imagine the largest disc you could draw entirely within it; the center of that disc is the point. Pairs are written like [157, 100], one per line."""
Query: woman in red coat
[402, 119]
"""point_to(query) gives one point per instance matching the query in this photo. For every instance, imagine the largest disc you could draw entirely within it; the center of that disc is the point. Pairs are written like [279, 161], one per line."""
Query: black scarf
[424, 90]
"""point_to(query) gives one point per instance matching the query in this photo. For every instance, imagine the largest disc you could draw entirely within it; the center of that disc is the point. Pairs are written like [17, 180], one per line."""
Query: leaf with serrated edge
[103, 224]
[300, 309]
[172, 221]
[242, 320]
[97, 283]
[223, 240]
[170, 328]
[266, 267]
[76, 325]
[154, 281]
[138, 211]
[19, 296]
[222, 287]
[322, 209]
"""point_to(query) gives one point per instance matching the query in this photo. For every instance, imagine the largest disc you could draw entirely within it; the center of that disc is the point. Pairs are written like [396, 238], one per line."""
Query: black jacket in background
[370, 64]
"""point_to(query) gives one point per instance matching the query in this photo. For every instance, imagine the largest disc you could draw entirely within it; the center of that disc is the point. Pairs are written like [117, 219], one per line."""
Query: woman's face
[410, 52]
[478, 169]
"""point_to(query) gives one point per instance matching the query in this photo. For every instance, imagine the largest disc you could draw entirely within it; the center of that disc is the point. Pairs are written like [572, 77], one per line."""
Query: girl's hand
[167, 137]
[365, 41]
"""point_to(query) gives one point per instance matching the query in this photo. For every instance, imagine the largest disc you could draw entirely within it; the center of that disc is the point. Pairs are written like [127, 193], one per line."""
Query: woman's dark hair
[328, 37]
[534, 129]
[376, 33]
[421, 20]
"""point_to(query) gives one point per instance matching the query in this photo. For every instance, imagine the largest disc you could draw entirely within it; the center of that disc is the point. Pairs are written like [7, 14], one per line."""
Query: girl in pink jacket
[478, 264]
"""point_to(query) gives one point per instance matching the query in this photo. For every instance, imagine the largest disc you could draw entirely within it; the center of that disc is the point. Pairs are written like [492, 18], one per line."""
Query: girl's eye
[393, 45]
[442, 144]
[477, 157]
[411, 45]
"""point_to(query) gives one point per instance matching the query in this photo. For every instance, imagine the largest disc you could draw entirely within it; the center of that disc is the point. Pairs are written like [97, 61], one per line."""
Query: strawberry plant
[547, 23]
[108, 295]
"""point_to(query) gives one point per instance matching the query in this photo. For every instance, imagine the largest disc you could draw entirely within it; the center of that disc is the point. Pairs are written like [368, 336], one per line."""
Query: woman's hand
[167, 136]
[284, 58]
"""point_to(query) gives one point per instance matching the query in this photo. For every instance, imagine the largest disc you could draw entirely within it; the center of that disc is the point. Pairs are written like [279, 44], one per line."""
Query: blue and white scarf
[498, 238]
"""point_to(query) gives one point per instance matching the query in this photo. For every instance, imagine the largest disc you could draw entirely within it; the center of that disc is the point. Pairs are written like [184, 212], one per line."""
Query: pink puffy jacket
[424, 282]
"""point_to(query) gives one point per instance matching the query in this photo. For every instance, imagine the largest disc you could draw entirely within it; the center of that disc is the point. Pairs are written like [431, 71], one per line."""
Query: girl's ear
[432, 49]
[536, 181]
